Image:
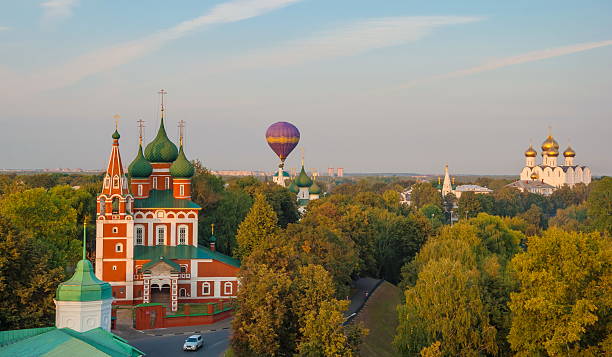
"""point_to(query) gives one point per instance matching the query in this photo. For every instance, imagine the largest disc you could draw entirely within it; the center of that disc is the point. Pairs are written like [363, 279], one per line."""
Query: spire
[115, 175]
[446, 186]
[161, 149]
[84, 238]
[161, 93]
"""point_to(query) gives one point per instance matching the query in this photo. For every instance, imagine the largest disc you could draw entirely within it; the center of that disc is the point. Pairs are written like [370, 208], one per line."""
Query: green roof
[314, 189]
[285, 174]
[51, 341]
[303, 202]
[161, 149]
[303, 180]
[84, 285]
[164, 199]
[140, 167]
[153, 253]
[116, 135]
[182, 168]
[293, 187]
[163, 259]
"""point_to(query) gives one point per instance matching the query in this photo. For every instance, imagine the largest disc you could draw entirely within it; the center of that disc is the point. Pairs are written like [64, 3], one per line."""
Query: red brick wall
[108, 248]
[216, 269]
[212, 288]
[108, 274]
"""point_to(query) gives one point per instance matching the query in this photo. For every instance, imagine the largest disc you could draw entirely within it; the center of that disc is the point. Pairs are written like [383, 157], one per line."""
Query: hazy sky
[373, 85]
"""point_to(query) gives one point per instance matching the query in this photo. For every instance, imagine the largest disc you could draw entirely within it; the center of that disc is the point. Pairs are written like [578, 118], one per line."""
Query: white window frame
[206, 288]
[182, 240]
[115, 230]
[114, 267]
[139, 190]
[227, 285]
[167, 181]
[182, 190]
[155, 183]
[119, 248]
[183, 294]
[116, 181]
[139, 229]
[161, 229]
[107, 182]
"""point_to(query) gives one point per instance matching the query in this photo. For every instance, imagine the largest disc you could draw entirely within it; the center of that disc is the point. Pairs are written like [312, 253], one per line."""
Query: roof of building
[314, 189]
[154, 253]
[161, 149]
[285, 174]
[303, 201]
[181, 167]
[164, 260]
[474, 188]
[533, 184]
[164, 199]
[303, 180]
[140, 167]
[51, 341]
[293, 187]
[84, 285]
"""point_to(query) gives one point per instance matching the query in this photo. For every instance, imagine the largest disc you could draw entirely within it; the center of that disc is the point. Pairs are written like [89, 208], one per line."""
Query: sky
[373, 86]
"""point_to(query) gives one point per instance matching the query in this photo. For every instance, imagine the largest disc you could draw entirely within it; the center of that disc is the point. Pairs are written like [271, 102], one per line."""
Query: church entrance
[161, 294]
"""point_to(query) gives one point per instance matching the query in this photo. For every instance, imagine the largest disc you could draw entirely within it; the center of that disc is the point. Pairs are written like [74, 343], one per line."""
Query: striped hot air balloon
[282, 137]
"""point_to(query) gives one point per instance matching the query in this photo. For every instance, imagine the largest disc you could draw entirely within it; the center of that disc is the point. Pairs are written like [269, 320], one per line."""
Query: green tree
[563, 305]
[424, 193]
[572, 218]
[599, 204]
[434, 214]
[469, 205]
[258, 226]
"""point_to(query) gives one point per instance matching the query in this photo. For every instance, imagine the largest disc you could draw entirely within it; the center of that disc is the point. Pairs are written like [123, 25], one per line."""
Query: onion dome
[140, 167]
[116, 135]
[285, 174]
[569, 152]
[549, 143]
[293, 187]
[530, 152]
[314, 189]
[303, 180]
[83, 286]
[161, 149]
[534, 176]
[554, 152]
[182, 168]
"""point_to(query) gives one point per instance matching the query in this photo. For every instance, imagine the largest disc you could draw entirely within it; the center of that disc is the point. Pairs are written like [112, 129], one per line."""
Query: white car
[193, 342]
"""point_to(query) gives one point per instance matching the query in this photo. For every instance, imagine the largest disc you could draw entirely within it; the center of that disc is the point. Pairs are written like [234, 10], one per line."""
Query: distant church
[147, 231]
[548, 171]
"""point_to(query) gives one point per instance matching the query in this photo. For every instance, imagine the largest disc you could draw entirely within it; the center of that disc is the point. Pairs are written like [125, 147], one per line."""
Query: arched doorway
[160, 294]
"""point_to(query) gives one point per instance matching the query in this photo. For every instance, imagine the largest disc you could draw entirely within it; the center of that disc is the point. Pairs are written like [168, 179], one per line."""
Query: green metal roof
[51, 341]
[153, 253]
[181, 167]
[84, 285]
[161, 149]
[285, 174]
[293, 187]
[303, 180]
[303, 201]
[140, 167]
[164, 199]
[314, 189]
[162, 259]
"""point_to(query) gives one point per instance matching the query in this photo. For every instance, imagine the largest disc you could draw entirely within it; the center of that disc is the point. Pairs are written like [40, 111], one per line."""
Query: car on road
[193, 342]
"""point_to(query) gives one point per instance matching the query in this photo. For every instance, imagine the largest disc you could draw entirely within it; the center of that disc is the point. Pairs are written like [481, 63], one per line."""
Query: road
[215, 344]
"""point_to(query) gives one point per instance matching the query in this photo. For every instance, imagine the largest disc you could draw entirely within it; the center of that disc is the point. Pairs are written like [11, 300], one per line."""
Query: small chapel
[147, 245]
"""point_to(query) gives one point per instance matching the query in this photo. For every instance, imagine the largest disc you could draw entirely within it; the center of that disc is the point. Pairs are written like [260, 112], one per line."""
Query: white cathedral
[549, 172]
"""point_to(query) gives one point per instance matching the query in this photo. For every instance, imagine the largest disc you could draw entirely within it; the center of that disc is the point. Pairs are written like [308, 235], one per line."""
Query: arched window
[206, 288]
[118, 247]
[183, 268]
[182, 292]
[106, 182]
[115, 230]
[139, 233]
[115, 204]
[128, 205]
[155, 183]
[228, 288]
[182, 190]
[102, 206]
[139, 190]
[161, 235]
[167, 183]
[182, 234]
[116, 182]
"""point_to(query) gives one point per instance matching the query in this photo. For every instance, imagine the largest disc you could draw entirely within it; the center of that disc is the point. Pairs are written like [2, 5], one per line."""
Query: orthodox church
[147, 230]
[548, 171]
[305, 188]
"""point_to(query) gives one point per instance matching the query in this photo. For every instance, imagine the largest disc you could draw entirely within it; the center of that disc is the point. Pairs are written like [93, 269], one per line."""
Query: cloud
[108, 58]
[345, 41]
[4, 28]
[514, 60]
[55, 10]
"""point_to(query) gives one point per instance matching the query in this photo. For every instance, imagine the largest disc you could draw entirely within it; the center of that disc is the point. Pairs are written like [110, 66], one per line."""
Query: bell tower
[115, 227]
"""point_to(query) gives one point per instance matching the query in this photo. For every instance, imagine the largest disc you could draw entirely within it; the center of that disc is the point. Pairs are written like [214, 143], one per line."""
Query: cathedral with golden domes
[549, 171]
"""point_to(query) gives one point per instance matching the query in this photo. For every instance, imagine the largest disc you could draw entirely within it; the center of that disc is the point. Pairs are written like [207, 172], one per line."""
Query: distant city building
[405, 197]
[330, 171]
[305, 188]
[533, 186]
[238, 173]
[340, 172]
[280, 177]
[548, 171]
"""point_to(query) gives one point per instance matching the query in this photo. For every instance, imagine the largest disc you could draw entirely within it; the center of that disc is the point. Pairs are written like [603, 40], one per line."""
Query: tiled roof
[164, 199]
[52, 341]
[154, 253]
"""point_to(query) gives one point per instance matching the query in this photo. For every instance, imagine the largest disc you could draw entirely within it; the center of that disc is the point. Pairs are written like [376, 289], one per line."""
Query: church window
[114, 267]
[155, 183]
[182, 234]
[161, 235]
[206, 288]
[182, 292]
[139, 190]
[115, 230]
[167, 183]
[182, 190]
[106, 182]
[118, 247]
[128, 205]
[116, 182]
[102, 206]
[227, 288]
[139, 235]
[116, 205]
[183, 268]
[160, 214]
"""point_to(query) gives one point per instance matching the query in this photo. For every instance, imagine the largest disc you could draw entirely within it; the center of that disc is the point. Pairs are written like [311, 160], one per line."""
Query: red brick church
[147, 231]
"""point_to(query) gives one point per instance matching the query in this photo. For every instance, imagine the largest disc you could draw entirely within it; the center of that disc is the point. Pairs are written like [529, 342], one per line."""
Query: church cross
[161, 93]
[181, 126]
[140, 129]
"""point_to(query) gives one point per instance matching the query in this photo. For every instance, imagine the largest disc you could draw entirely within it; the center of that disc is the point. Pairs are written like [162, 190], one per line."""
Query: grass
[379, 316]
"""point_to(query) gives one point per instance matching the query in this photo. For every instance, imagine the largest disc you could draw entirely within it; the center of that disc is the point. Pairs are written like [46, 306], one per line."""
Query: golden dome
[553, 152]
[530, 152]
[549, 143]
[534, 176]
[569, 152]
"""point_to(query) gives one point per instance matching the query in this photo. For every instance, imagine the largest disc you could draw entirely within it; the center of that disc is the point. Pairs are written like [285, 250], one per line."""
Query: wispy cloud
[514, 60]
[344, 41]
[107, 58]
[4, 28]
[55, 10]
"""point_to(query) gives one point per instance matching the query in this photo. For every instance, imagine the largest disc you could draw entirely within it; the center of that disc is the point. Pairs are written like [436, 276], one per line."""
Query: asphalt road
[215, 344]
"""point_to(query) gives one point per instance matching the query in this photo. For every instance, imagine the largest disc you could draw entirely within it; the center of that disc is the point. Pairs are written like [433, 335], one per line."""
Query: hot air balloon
[282, 137]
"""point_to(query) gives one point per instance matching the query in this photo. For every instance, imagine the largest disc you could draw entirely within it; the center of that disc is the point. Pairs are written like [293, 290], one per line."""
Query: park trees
[259, 225]
[424, 193]
[599, 204]
[563, 304]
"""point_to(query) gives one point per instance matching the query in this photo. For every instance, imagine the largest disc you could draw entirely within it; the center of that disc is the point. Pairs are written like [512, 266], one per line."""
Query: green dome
[314, 189]
[293, 188]
[140, 167]
[285, 174]
[161, 149]
[83, 286]
[116, 135]
[182, 168]
[212, 239]
[303, 180]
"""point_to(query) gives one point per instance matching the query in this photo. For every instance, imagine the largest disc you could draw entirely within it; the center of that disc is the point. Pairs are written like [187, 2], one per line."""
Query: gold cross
[181, 125]
[140, 129]
[116, 117]
[162, 92]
